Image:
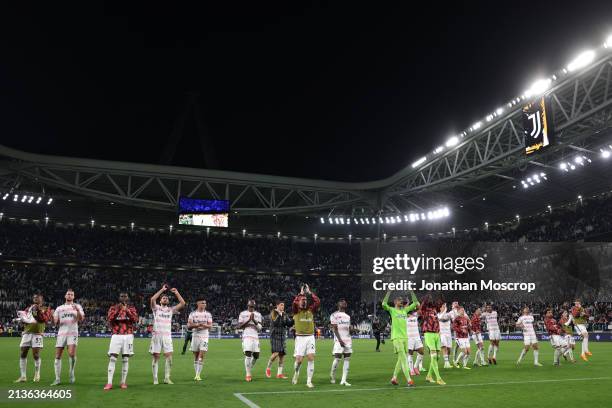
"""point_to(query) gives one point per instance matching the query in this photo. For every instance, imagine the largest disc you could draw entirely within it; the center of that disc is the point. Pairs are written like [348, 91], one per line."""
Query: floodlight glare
[538, 87]
[419, 162]
[605, 154]
[581, 61]
[452, 141]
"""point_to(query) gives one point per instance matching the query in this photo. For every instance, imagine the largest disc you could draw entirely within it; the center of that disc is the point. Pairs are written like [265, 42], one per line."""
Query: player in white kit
[525, 323]
[490, 317]
[340, 323]
[161, 340]
[250, 322]
[446, 338]
[67, 316]
[414, 344]
[199, 321]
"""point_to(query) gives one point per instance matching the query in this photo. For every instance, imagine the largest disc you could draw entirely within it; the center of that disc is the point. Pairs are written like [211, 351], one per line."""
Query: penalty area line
[251, 404]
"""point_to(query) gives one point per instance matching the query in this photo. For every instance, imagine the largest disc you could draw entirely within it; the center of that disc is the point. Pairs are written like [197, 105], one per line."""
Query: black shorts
[278, 344]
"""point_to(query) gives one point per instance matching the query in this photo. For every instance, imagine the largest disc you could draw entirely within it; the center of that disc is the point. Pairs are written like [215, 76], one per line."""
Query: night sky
[338, 92]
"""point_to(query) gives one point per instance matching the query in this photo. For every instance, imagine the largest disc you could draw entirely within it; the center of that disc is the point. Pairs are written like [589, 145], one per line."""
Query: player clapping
[34, 319]
[343, 343]
[161, 340]
[121, 318]
[67, 316]
[446, 341]
[477, 337]
[250, 322]
[490, 317]
[530, 339]
[461, 327]
[304, 306]
[200, 322]
[579, 317]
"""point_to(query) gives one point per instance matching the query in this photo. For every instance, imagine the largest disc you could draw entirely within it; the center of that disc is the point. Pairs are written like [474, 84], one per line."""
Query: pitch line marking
[251, 404]
[247, 401]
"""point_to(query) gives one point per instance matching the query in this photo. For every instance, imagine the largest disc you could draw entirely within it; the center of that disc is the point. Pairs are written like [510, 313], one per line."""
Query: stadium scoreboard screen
[203, 213]
[537, 125]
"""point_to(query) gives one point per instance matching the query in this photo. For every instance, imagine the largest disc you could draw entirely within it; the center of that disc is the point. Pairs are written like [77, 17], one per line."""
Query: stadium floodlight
[563, 166]
[499, 111]
[367, 221]
[5, 196]
[476, 125]
[605, 153]
[92, 222]
[373, 220]
[489, 118]
[38, 200]
[608, 43]
[439, 149]
[419, 162]
[452, 141]
[24, 198]
[330, 220]
[16, 197]
[581, 61]
[538, 87]
[380, 220]
[30, 199]
[49, 201]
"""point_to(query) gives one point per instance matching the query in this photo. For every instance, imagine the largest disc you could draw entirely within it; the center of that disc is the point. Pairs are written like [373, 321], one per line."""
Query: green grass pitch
[505, 385]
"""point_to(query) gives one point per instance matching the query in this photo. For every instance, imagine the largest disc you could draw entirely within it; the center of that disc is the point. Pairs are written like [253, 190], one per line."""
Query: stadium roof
[478, 175]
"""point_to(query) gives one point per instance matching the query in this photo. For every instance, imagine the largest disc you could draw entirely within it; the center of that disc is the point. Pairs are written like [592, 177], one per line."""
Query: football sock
[111, 369]
[310, 370]
[58, 368]
[72, 361]
[23, 364]
[523, 352]
[168, 367]
[154, 368]
[124, 369]
[536, 353]
[37, 364]
[345, 368]
[334, 367]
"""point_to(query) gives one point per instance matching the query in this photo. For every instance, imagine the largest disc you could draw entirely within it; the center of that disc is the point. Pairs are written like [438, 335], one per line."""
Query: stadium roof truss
[485, 160]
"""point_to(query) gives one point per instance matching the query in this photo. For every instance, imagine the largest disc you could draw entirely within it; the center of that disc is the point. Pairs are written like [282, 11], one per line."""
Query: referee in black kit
[378, 329]
[279, 323]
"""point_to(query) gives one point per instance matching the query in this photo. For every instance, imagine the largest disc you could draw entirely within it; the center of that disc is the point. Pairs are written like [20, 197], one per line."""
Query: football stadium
[479, 272]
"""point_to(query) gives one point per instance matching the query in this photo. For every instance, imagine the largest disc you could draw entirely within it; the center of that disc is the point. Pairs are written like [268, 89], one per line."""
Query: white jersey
[527, 325]
[162, 320]
[344, 325]
[491, 319]
[68, 320]
[445, 320]
[200, 317]
[412, 327]
[250, 330]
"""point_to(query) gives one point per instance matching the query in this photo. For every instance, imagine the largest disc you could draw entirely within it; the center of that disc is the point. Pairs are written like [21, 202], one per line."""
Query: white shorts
[530, 339]
[446, 341]
[121, 344]
[463, 343]
[580, 328]
[477, 337]
[250, 344]
[304, 345]
[570, 339]
[199, 343]
[161, 343]
[338, 349]
[494, 335]
[63, 341]
[557, 341]
[414, 343]
[31, 340]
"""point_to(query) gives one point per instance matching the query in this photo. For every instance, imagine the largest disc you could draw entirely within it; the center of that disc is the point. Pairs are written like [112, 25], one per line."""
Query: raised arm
[181, 303]
[112, 313]
[385, 301]
[415, 302]
[295, 306]
[132, 314]
[80, 313]
[314, 302]
[156, 295]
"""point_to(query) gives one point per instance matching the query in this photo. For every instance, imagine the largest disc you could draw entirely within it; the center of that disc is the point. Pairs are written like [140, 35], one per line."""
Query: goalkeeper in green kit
[399, 336]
